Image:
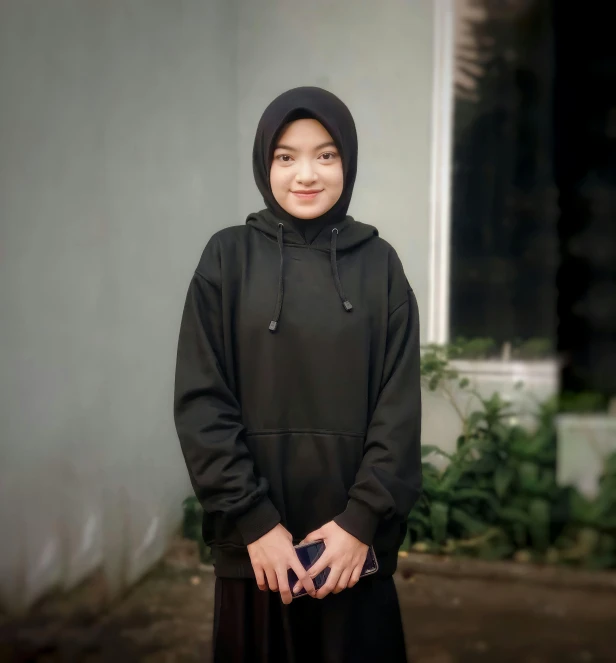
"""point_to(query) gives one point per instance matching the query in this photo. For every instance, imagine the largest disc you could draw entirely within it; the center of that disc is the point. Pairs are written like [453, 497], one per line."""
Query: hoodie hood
[351, 234]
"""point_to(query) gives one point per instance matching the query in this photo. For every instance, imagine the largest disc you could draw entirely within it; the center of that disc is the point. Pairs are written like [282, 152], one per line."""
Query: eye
[329, 156]
[284, 158]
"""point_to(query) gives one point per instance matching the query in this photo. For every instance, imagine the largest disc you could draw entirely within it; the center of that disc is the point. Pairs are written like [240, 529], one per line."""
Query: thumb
[317, 535]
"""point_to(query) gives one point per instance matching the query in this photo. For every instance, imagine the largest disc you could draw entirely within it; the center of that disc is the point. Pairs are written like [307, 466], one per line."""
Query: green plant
[533, 348]
[437, 373]
[480, 348]
[191, 524]
[476, 348]
[585, 401]
[191, 527]
[497, 496]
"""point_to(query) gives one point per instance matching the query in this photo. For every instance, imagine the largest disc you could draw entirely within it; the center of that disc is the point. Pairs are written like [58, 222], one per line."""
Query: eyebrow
[329, 143]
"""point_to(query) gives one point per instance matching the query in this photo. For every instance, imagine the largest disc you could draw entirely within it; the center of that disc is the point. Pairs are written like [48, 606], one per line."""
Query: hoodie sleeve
[207, 414]
[388, 482]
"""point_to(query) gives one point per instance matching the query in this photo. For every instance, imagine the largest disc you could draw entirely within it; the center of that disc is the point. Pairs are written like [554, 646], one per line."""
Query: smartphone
[309, 553]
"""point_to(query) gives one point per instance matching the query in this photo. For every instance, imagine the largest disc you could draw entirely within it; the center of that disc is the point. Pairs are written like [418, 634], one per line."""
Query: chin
[307, 212]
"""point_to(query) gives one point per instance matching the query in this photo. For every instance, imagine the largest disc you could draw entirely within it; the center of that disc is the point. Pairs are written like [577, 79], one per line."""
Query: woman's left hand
[344, 555]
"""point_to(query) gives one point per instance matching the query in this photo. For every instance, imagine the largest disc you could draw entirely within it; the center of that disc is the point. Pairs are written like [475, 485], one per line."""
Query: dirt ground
[167, 618]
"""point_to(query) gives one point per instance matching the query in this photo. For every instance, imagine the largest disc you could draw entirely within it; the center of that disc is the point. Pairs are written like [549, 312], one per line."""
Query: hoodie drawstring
[348, 307]
[274, 323]
[332, 255]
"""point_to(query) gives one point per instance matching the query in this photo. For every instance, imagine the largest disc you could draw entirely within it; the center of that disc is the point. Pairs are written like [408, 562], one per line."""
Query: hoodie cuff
[359, 520]
[261, 519]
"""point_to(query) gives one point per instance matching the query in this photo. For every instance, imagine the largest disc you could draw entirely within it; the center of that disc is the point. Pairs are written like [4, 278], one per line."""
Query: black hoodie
[311, 413]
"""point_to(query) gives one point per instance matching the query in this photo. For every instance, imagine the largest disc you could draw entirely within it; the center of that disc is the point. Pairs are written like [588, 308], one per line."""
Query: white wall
[118, 160]
[377, 57]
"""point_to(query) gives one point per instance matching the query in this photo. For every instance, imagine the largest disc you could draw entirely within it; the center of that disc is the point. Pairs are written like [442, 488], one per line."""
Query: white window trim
[440, 176]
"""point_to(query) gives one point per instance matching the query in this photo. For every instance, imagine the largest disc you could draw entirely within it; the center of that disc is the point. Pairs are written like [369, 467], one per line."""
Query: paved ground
[167, 619]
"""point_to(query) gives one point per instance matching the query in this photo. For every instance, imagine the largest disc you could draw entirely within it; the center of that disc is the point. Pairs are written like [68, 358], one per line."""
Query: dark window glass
[504, 236]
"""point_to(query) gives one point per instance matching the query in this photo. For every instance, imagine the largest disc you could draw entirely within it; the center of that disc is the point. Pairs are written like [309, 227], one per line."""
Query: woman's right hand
[272, 556]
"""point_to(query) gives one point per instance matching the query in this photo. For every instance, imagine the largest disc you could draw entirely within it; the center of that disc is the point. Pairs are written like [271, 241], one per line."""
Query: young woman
[298, 403]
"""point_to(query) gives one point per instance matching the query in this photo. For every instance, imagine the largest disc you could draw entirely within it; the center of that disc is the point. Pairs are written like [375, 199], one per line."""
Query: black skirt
[362, 624]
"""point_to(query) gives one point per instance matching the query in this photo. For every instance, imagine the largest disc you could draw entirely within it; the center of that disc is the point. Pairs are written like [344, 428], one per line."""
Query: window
[494, 238]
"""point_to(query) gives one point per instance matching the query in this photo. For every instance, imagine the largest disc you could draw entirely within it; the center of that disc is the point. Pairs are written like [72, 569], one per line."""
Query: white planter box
[584, 441]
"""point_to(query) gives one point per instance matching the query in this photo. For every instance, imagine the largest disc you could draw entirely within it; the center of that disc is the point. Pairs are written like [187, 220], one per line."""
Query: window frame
[441, 170]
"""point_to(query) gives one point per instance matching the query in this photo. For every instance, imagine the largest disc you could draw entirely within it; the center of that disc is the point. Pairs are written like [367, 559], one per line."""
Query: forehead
[304, 132]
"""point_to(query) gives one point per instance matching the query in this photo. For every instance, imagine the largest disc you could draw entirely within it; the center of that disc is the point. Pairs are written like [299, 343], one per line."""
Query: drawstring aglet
[348, 307]
[273, 325]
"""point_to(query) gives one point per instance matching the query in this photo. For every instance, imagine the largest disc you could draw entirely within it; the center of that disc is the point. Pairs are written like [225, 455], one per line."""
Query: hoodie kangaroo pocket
[309, 474]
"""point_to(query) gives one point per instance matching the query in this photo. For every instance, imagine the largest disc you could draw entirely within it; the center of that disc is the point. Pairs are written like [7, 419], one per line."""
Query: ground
[457, 619]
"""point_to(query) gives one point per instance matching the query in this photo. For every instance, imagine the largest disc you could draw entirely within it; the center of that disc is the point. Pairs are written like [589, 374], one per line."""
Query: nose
[306, 174]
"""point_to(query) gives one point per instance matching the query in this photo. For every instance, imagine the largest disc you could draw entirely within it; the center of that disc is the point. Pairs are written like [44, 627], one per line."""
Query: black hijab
[331, 112]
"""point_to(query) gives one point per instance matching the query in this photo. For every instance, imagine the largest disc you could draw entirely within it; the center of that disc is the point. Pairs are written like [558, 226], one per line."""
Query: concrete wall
[118, 160]
[378, 60]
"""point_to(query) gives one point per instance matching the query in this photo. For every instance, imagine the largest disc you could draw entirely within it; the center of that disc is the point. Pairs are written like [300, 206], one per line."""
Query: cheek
[337, 181]
[277, 181]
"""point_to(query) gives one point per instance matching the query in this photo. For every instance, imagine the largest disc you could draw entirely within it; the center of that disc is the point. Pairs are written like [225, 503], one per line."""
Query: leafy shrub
[476, 348]
[533, 348]
[497, 497]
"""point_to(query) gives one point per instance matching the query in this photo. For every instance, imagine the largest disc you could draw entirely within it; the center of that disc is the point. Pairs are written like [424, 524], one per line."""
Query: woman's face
[306, 174]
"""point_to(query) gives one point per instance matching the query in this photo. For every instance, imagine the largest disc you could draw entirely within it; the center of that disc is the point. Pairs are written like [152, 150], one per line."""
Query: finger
[283, 585]
[355, 575]
[303, 579]
[272, 581]
[330, 585]
[345, 576]
[317, 535]
[260, 576]
[320, 565]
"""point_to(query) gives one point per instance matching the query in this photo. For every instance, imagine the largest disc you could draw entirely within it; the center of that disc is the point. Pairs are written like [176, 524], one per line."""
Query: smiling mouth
[306, 195]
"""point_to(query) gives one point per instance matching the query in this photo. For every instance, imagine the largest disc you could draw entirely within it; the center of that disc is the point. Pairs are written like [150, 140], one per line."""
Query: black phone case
[309, 553]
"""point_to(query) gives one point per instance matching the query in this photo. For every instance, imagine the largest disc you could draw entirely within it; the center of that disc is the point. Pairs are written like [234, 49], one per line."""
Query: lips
[309, 193]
